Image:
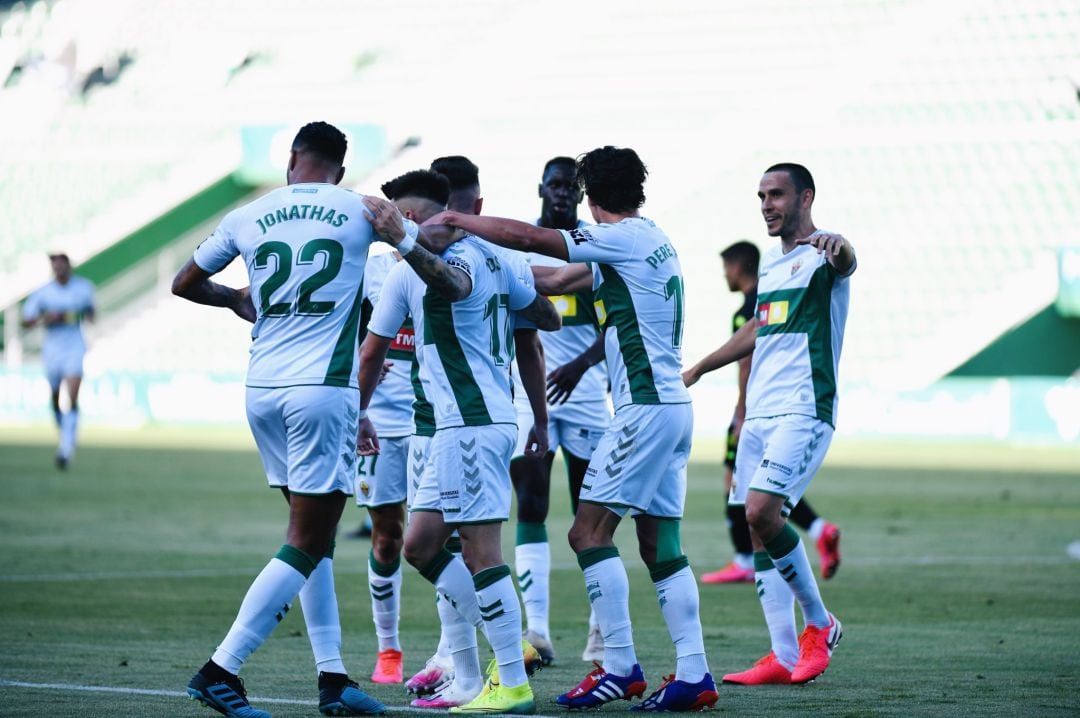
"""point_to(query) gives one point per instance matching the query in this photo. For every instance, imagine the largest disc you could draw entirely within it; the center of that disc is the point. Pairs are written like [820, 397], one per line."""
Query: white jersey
[802, 306]
[638, 278]
[469, 344]
[390, 409]
[74, 299]
[305, 247]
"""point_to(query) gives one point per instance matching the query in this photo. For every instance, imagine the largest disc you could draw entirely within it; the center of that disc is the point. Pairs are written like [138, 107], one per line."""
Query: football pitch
[957, 590]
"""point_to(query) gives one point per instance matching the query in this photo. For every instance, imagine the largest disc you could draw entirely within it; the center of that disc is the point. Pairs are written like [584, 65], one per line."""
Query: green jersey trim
[809, 311]
[423, 411]
[340, 371]
[439, 330]
[620, 312]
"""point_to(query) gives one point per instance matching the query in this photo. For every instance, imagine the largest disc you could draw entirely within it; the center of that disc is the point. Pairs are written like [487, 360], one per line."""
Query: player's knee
[417, 551]
[765, 520]
[386, 548]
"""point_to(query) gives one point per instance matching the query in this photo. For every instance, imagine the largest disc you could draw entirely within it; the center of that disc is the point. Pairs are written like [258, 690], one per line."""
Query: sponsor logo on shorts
[774, 482]
[785, 470]
[590, 471]
[448, 495]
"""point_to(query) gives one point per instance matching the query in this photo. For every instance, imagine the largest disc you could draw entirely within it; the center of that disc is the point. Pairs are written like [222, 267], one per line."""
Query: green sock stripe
[453, 544]
[531, 533]
[762, 562]
[782, 543]
[489, 576]
[435, 566]
[668, 543]
[296, 558]
[386, 570]
[590, 556]
[666, 569]
[330, 551]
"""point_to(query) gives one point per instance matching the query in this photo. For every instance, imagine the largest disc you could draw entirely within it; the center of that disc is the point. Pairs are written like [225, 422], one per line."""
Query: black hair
[59, 255]
[745, 254]
[322, 140]
[559, 161]
[800, 176]
[419, 183]
[613, 177]
[461, 172]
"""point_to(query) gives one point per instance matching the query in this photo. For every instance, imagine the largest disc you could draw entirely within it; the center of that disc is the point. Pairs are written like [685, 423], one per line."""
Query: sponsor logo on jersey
[580, 236]
[772, 312]
[459, 263]
[601, 311]
[565, 304]
[405, 340]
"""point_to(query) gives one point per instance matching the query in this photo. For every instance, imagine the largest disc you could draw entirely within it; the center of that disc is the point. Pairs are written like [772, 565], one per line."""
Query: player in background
[305, 246]
[466, 196]
[640, 464]
[791, 401]
[382, 480]
[576, 426]
[740, 270]
[61, 306]
[466, 348]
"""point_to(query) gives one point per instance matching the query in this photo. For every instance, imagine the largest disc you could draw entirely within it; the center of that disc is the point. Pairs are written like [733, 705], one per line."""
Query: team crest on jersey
[772, 313]
[796, 266]
[365, 489]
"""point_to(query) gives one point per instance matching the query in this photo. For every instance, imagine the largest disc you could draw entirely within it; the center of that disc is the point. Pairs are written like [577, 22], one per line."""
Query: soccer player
[382, 480]
[61, 306]
[466, 330]
[740, 270]
[575, 426]
[640, 463]
[305, 246]
[802, 307]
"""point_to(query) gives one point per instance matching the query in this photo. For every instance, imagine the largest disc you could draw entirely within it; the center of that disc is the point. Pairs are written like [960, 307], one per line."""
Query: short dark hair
[559, 161]
[800, 176]
[613, 177]
[59, 255]
[323, 140]
[419, 183]
[460, 170]
[745, 254]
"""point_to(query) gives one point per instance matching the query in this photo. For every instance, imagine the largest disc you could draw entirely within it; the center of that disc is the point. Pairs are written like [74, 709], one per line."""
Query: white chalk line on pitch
[74, 688]
[1072, 554]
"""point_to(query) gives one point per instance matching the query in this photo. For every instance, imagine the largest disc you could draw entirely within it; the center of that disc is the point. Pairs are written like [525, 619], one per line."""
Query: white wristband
[363, 415]
[409, 243]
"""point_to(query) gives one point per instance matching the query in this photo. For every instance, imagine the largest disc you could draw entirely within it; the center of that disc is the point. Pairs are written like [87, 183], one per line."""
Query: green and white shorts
[467, 477]
[779, 455]
[382, 480]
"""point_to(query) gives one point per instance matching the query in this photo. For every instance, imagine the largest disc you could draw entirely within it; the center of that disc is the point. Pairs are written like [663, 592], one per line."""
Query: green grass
[956, 592]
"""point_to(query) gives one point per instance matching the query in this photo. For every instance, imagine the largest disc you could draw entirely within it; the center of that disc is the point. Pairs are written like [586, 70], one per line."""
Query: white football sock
[385, 603]
[456, 583]
[608, 588]
[778, 604]
[318, 602]
[592, 618]
[743, 560]
[794, 567]
[816, 527]
[678, 597]
[69, 423]
[532, 562]
[447, 614]
[501, 613]
[265, 604]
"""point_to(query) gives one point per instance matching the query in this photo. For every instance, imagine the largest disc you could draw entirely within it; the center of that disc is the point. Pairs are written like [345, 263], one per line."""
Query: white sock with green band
[318, 601]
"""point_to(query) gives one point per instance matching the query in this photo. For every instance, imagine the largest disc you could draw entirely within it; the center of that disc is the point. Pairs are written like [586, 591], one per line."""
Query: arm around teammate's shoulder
[507, 233]
[570, 278]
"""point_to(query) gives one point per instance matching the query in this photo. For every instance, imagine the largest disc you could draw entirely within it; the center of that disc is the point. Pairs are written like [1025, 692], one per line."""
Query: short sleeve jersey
[637, 276]
[74, 299]
[802, 307]
[391, 405]
[468, 344]
[402, 300]
[305, 247]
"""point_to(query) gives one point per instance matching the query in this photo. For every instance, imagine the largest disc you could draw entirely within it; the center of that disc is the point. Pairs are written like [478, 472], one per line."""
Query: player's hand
[385, 219]
[367, 442]
[536, 444]
[244, 307]
[439, 232]
[384, 371]
[51, 319]
[690, 377]
[826, 242]
[562, 381]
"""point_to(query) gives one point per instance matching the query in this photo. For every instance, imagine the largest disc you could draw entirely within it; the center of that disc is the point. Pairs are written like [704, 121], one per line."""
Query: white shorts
[577, 428]
[469, 466]
[60, 365]
[779, 456]
[640, 464]
[419, 450]
[382, 480]
[306, 436]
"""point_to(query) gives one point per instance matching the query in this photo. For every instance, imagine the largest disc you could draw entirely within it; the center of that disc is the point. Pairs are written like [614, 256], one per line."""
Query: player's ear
[292, 160]
[340, 175]
[540, 190]
[478, 206]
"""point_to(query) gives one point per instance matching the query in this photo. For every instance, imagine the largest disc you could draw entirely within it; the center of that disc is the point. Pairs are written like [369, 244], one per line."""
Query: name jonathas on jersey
[302, 211]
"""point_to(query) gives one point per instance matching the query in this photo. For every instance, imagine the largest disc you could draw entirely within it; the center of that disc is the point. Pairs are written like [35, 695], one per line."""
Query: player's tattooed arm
[740, 345]
[193, 283]
[451, 283]
[543, 314]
